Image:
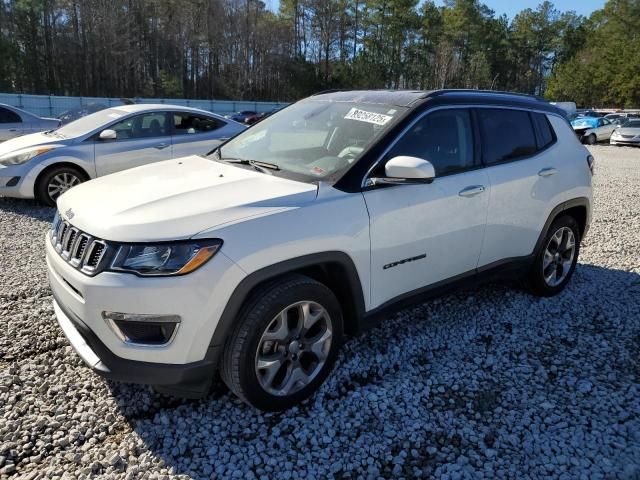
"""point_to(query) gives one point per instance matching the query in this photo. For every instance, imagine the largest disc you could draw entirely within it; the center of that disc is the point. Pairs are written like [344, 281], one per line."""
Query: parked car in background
[591, 130]
[627, 134]
[45, 165]
[76, 113]
[589, 113]
[241, 117]
[15, 122]
[258, 259]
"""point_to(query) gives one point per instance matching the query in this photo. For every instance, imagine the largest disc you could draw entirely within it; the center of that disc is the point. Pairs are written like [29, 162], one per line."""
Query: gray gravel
[482, 383]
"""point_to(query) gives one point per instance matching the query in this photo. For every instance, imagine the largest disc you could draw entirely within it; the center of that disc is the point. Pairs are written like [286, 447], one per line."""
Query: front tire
[591, 139]
[284, 344]
[556, 261]
[55, 182]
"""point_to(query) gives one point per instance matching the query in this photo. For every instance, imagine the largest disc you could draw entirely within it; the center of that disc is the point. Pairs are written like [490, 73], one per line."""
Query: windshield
[88, 124]
[632, 124]
[313, 139]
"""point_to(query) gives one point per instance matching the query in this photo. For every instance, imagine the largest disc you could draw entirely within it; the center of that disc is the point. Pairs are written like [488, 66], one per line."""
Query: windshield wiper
[258, 165]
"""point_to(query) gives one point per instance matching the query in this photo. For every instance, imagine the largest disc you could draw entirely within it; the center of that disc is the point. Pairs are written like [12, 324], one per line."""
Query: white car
[591, 130]
[309, 226]
[15, 122]
[45, 165]
[627, 134]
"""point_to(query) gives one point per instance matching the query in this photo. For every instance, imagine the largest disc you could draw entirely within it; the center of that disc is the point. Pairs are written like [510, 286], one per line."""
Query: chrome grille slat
[79, 249]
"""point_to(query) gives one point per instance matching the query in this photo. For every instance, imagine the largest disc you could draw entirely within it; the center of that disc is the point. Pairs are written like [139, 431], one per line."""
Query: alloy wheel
[60, 183]
[294, 348]
[558, 256]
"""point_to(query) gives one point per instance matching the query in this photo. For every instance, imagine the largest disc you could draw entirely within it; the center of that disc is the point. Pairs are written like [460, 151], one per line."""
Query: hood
[176, 199]
[26, 141]
[584, 123]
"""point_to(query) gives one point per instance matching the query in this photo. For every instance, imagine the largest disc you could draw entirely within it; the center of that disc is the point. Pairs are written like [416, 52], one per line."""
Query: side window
[544, 131]
[443, 137]
[600, 122]
[8, 116]
[506, 135]
[147, 125]
[188, 123]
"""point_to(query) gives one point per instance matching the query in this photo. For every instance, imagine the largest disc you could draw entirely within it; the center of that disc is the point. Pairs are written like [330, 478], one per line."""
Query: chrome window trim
[367, 177]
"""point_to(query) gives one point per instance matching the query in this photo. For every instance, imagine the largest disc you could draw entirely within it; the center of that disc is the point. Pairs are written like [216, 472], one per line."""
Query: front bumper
[624, 141]
[24, 188]
[198, 298]
[189, 380]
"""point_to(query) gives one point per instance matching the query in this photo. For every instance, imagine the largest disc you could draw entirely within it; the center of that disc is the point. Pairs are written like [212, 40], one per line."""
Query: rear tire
[556, 261]
[284, 344]
[55, 182]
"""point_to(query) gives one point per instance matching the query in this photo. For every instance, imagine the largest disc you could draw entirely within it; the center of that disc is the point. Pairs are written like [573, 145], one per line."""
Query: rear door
[140, 139]
[524, 172]
[426, 233]
[197, 134]
[11, 124]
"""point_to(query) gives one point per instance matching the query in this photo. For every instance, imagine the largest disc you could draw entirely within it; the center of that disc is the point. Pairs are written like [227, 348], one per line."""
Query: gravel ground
[489, 382]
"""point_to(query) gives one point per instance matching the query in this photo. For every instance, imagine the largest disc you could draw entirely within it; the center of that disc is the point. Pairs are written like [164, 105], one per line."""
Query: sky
[512, 7]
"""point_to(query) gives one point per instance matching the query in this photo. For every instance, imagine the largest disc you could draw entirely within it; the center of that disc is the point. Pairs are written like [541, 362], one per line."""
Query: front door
[140, 139]
[426, 233]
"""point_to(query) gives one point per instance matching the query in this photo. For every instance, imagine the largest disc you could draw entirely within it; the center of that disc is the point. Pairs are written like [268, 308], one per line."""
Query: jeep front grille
[79, 249]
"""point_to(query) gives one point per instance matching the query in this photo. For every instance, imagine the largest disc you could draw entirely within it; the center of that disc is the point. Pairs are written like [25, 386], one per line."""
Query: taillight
[591, 161]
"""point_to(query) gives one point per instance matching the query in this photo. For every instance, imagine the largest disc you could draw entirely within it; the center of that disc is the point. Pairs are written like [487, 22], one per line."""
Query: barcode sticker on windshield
[369, 117]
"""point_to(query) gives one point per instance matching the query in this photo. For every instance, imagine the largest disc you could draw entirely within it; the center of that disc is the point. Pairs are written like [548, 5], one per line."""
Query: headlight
[176, 258]
[22, 156]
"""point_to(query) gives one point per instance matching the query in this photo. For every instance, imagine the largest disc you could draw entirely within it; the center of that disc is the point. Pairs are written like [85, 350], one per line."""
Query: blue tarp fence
[53, 105]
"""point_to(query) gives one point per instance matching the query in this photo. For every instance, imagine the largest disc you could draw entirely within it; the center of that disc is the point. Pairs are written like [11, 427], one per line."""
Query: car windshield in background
[88, 124]
[632, 124]
[312, 139]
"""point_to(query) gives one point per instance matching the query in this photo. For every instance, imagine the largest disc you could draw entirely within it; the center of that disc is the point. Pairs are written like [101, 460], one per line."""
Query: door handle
[162, 145]
[471, 190]
[547, 172]
[13, 129]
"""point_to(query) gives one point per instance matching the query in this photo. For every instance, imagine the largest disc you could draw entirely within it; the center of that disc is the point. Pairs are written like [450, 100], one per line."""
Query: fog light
[13, 181]
[143, 329]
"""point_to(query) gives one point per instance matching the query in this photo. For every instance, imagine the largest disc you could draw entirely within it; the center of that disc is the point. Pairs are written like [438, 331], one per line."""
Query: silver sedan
[627, 134]
[44, 165]
[15, 122]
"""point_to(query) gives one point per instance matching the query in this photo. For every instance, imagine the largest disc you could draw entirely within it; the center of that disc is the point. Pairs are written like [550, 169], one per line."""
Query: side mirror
[406, 170]
[108, 134]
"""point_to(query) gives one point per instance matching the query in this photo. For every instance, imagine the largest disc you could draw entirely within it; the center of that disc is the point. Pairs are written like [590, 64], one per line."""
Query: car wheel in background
[590, 139]
[284, 345]
[556, 261]
[55, 182]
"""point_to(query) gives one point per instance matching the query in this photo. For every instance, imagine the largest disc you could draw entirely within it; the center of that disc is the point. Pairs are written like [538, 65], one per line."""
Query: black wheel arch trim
[247, 285]
[575, 202]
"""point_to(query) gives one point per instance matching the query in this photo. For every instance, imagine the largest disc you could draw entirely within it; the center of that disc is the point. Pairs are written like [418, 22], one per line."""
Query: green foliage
[605, 69]
[239, 49]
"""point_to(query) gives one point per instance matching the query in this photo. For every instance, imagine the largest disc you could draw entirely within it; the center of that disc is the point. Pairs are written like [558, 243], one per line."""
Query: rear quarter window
[545, 135]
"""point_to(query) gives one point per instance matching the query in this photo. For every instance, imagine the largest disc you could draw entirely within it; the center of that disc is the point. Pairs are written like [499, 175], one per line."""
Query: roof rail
[486, 92]
[331, 90]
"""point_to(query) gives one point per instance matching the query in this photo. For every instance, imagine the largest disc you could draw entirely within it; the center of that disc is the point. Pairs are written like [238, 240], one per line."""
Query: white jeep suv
[258, 259]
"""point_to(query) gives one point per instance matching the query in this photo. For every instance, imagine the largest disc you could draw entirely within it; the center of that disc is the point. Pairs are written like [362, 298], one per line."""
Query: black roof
[414, 98]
